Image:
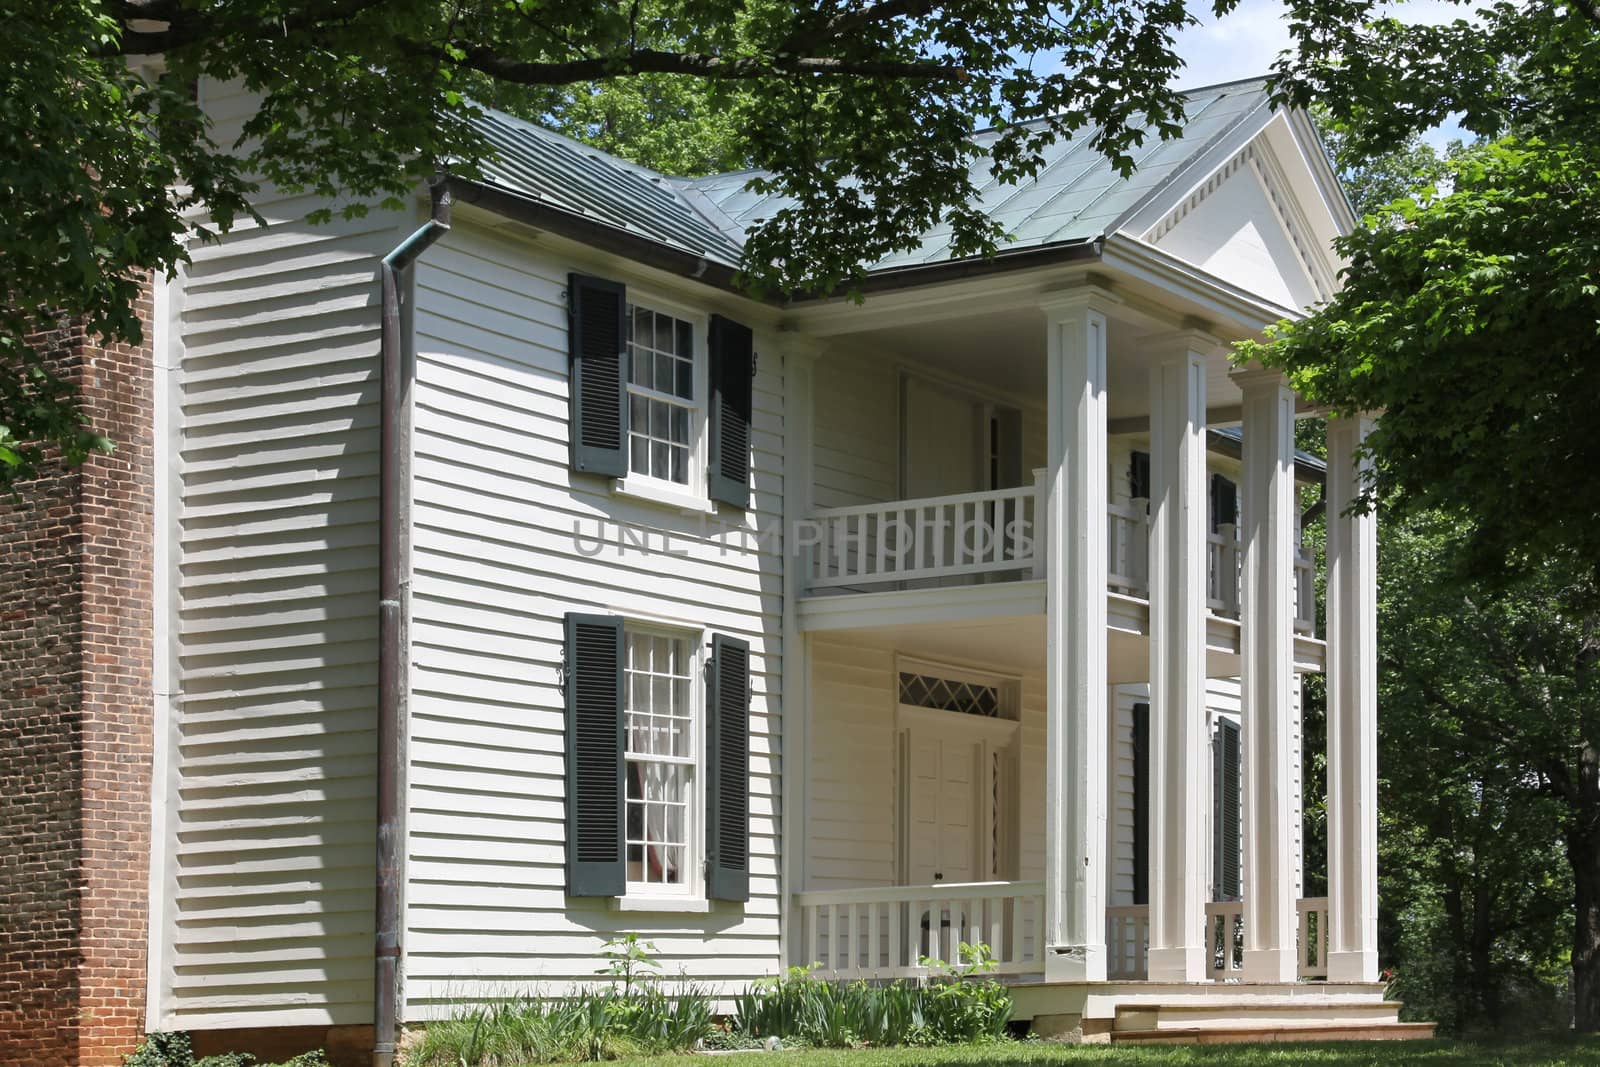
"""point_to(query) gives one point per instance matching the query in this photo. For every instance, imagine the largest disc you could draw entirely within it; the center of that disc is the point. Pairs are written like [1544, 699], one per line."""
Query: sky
[1244, 43]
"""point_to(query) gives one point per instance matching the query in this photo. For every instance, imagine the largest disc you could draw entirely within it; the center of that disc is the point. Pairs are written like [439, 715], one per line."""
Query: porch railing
[1305, 591]
[1312, 955]
[962, 536]
[910, 931]
[1225, 938]
[1128, 939]
[975, 537]
[1127, 942]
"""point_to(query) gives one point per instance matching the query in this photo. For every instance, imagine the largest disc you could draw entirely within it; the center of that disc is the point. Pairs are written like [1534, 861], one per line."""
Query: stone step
[1273, 1034]
[1228, 1012]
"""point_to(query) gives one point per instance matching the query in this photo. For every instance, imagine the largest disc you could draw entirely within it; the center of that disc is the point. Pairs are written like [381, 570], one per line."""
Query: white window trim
[696, 494]
[690, 895]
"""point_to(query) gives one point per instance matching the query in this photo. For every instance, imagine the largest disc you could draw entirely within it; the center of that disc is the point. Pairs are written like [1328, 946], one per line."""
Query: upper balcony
[967, 554]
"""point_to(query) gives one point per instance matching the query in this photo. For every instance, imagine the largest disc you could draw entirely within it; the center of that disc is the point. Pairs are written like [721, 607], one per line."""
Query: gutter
[394, 562]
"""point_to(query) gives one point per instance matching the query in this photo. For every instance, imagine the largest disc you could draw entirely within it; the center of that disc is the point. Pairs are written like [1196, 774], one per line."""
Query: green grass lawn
[1043, 1054]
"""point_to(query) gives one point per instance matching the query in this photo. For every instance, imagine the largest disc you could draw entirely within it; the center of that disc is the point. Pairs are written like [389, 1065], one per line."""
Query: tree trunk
[1583, 852]
[1484, 980]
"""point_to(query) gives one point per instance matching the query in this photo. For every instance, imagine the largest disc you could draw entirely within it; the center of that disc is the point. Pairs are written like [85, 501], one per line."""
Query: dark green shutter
[1141, 803]
[1139, 475]
[1225, 810]
[597, 351]
[733, 367]
[1224, 502]
[594, 757]
[728, 771]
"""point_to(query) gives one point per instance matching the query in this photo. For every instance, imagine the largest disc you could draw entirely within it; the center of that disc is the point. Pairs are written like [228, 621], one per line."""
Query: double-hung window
[661, 399]
[660, 747]
[657, 762]
[665, 397]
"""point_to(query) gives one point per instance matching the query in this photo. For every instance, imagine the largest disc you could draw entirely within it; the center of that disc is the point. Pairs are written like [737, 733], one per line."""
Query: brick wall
[76, 729]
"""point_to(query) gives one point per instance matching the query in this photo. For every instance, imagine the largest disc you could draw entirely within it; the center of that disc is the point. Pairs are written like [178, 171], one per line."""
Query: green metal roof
[1077, 195]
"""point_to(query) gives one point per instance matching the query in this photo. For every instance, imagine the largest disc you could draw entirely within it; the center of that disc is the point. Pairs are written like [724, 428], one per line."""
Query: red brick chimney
[76, 727]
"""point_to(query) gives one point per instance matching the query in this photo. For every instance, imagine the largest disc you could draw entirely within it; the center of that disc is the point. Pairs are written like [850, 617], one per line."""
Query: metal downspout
[394, 563]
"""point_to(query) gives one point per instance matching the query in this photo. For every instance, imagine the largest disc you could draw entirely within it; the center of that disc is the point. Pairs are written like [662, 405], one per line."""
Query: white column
[1352, 713]
[1267, 640]
[1075, 739]
[1178, 732]
[799, 359]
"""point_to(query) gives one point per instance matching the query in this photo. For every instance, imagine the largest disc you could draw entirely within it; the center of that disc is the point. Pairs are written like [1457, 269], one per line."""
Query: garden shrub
[635, 1014]
[175, 1050]
[956, 1006]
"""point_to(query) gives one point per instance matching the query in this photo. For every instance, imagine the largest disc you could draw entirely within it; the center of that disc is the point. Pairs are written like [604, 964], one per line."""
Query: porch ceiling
[1005, 351]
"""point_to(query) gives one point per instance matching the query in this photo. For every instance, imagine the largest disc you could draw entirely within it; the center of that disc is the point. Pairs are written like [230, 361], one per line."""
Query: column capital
[1063, 304]
[1177, 344]
[1254, 378]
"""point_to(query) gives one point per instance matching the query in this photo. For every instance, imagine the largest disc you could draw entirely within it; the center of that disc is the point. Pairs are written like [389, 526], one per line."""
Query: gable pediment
[1259, 218]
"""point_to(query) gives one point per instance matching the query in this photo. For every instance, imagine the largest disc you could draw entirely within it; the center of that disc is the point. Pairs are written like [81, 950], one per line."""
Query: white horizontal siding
[276, 618]
[505, 542]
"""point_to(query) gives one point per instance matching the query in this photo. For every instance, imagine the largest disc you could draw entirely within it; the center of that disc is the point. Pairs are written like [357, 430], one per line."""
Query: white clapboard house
[521, 574]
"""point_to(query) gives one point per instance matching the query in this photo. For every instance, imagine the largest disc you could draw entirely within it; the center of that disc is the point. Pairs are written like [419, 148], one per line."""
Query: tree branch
[1589, 10]
[649, 61]
[852, 21]
[186, 26]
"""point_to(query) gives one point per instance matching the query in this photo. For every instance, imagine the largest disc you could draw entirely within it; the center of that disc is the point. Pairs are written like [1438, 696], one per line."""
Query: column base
[1184, 964]
[1270, 965]
[1075, 963]
[1357, 966]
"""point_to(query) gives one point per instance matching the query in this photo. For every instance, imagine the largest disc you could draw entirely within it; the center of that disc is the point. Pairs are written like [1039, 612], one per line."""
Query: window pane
[685, 344]
[659, 460]
[686, 379]
[640, 374]
[680, 426]
[660, 727]
[639, 460]
[680, 466]
[664, 372]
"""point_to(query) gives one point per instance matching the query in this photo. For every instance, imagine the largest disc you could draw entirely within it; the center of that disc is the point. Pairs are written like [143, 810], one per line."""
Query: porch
[1035, 502]
[918, 931]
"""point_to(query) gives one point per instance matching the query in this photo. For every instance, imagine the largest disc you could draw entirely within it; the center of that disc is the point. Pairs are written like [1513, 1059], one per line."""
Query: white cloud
[1246, 42]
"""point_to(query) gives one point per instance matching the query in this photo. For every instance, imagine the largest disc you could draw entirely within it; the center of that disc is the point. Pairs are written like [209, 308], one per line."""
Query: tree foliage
[862, 112]
[1487, 695]
[1469, 319]
[1470, 308]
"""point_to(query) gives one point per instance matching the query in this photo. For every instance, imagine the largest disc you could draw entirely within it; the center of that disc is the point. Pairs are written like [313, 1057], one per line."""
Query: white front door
[941, 797]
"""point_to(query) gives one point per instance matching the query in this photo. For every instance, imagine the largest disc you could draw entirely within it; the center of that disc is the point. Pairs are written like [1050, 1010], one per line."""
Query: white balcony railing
[977, 537]
[948, 537]
[1223, 560]
[888, 932]
[1128, 548]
